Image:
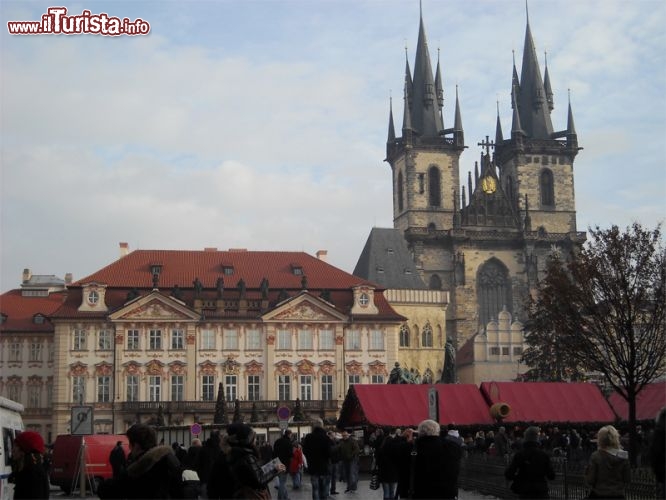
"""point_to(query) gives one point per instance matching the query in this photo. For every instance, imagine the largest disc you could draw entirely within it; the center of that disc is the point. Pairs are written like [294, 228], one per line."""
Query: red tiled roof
[20, 311]
[181, 267]
[549, 401]
[402, 405]
[648, 402]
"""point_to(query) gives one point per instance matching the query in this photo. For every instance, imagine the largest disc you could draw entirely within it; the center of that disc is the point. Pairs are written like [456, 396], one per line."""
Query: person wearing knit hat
[530, 469]
[28, 473]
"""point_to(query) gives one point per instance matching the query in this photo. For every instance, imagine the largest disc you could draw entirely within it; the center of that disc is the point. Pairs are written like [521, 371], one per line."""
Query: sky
[262, 124]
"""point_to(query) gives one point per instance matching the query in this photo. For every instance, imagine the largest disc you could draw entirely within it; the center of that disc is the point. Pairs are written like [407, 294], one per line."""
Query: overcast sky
[262, 124]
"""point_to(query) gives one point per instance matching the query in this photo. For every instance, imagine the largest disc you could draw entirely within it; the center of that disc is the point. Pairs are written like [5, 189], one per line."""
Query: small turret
[546, 85]
[572, 137]
[458, 133]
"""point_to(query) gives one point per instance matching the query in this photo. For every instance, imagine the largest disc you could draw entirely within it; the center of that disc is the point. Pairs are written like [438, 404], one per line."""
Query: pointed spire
[469, 184]
[546, 84]
[464, 198]
[438, 84]
[572, 137]
[499, 137]
[476, 173]
[515, 82]
[408, 78]
[425, 115]
[458, 133]
[391, 127]
[516, 127]
[406, 116]
[531, 101]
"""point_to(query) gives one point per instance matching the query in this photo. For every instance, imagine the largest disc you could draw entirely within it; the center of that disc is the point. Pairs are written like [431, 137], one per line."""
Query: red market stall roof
[550, 401]
[648, 402]
[402, 405]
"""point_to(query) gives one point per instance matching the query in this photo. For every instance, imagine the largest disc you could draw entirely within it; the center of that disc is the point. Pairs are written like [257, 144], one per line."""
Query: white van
[11, 425]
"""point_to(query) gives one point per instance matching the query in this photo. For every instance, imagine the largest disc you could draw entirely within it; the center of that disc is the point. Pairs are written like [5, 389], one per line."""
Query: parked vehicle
[68, 451]
[11, 424]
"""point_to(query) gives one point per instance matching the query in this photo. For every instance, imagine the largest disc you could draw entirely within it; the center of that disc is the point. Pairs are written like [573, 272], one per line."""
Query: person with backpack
[317, 448]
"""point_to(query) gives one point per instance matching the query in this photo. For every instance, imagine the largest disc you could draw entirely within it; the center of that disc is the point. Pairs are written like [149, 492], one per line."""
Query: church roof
[19, 311]
[386, 260]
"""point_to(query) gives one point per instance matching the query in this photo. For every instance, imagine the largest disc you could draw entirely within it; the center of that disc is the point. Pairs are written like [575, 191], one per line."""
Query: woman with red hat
[28, 474]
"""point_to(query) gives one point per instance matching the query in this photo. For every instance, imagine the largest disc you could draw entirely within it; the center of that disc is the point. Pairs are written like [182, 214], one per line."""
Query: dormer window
[227, 270]
[38, 319]
[389, 251]
[380, 269]
[93, 297]
[3, 319]
[155, 269]
[297, 270]
[364, 300]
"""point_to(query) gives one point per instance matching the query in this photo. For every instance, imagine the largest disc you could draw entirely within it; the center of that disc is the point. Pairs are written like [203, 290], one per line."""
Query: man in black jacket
[317, 450]
[530, 468]
[283, 449]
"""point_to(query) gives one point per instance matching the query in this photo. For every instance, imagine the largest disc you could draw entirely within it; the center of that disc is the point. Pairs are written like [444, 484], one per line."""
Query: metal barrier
[485, 474]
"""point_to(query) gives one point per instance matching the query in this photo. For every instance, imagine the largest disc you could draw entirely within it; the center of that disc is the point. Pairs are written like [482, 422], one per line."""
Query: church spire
[425, 112]
[439, 90]
[458, 133]
[516, 127]
[546, 84]
[499, 137]
[391, 127]
[572, 137]
[532, 104]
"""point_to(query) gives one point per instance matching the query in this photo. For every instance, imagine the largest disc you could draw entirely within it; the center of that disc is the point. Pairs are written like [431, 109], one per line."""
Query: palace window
[306, 387]
[326, 340]
[305, 339]
[253, 339]
[208, 339]
[79, 340]
[353, 379]
[353, 340]
[377, 379]
[231, 387]
[104, 340]
[132, 388]
[284, 387]
[177, 339]
[208, 387]
[103, 389]
[177, 387]
[253, 388]
[35, 351]
[376, 340]
[154, 388]
[284, 340]
[231, 340]
[78, 389]
[327, 387]
[133, 340]
[155, 340]
[34, 399]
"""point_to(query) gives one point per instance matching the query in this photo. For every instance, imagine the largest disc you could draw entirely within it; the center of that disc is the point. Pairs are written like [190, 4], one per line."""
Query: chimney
[124, 249]
[210, 249]
[27, 274]
[68, 279]
[321, 255]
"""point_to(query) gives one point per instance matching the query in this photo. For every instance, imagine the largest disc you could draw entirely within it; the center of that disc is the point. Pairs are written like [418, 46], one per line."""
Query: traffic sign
[283, 413]
[195, 429]
[81, 420]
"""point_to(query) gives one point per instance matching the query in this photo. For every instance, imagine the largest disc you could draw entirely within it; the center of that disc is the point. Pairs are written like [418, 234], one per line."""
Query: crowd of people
[421, 463]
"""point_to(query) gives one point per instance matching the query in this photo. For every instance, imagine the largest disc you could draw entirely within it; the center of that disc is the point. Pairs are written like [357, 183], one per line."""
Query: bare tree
[606, 307]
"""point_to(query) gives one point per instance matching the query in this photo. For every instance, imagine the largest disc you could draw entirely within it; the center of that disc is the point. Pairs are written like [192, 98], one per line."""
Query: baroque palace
[155, 335]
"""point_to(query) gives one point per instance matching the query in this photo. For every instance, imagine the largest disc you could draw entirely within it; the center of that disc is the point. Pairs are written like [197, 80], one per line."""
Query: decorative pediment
[103, 369]
[155, 367]
[132, 368]
[155, 307]
[178, 368]
[207, 368]
[378, 368]
[326, 367]
[305, 367]
[305, 308]
[254, 368]
[284, 368]
[231, 367]
[78, 369]
[354, 368]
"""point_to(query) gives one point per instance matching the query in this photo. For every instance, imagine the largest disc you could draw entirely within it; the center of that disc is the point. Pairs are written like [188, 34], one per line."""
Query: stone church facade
[484, 240]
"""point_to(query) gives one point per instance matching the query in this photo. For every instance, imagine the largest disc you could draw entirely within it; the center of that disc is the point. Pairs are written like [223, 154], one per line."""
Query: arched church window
[434, 187]
[435, 282]
[404, 336]
[493, 290]
[547, 188]
[400, 202]
[426, 336]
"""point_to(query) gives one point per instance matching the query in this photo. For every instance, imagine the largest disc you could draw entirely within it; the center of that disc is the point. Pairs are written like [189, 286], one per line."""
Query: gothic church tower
[487, 241]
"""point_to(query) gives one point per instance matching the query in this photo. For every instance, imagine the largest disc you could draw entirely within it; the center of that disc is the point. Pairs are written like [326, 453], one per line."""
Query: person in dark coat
[118, 460]
[530, 469]
[207, 457]
[453, 453]
[317, 448]
[180, 452]
[283, 449]
[432, 461]
[405, 445]
[387, 456]
[28, 472]
[244, 467]
[152, 471]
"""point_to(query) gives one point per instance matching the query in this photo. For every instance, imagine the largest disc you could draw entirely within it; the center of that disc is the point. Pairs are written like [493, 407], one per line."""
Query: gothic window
[547, 188]
[493, 290]
[404, 336]
[435, 282]
[400, 201]
[434, 187]
[426, 336]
